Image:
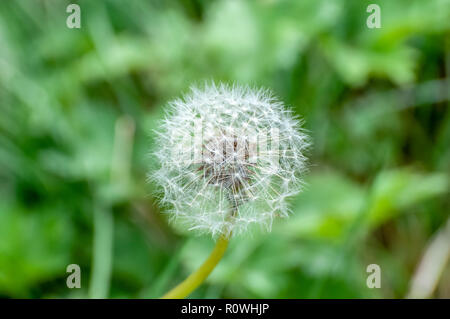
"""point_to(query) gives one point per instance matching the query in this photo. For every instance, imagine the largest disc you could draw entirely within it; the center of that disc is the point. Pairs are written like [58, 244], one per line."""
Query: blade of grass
[102, 254]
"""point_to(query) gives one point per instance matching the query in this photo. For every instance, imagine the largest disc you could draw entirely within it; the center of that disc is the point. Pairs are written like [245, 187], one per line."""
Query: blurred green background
[77, 110]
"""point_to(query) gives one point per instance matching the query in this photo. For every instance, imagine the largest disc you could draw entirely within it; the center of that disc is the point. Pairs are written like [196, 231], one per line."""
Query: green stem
[102, 253]
[196, 278]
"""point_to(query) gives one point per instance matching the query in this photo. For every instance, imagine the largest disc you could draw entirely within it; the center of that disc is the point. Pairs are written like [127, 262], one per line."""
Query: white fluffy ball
[229, 157]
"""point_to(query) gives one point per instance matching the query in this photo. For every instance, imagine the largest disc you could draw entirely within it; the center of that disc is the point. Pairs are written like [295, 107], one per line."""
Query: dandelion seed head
[230, 157]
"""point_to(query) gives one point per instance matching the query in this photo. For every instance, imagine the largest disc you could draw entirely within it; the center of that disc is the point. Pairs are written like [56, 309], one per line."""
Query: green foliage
[78, 108]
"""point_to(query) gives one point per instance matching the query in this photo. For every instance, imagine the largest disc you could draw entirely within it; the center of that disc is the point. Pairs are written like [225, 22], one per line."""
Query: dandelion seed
[241, 173]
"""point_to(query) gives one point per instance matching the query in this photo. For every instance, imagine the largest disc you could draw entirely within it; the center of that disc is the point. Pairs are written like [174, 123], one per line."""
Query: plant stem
[196, 278]
[102, 253]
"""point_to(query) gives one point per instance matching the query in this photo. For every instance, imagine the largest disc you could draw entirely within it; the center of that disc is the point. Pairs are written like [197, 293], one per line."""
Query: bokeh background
[77, 110]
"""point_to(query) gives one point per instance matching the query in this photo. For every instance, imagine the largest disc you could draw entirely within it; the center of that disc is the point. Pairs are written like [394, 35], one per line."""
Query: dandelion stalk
[196, 278]
[226, 149]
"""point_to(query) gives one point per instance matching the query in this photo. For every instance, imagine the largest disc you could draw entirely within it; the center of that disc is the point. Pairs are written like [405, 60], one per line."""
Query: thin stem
[196, 278]
[102, 253]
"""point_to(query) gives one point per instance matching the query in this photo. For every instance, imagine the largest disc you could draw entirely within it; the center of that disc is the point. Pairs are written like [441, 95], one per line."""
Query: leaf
[326, 208]
[395, 191]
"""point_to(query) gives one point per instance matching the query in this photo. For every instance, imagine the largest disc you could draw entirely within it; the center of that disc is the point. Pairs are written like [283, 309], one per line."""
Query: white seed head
[229, 157]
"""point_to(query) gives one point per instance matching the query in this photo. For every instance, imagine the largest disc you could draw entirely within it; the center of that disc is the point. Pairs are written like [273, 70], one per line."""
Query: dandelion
[230, 157]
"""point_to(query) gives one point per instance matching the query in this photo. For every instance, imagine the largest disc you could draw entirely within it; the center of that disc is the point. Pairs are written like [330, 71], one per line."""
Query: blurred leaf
[399, 190]
[315, 217]
[34, 248]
